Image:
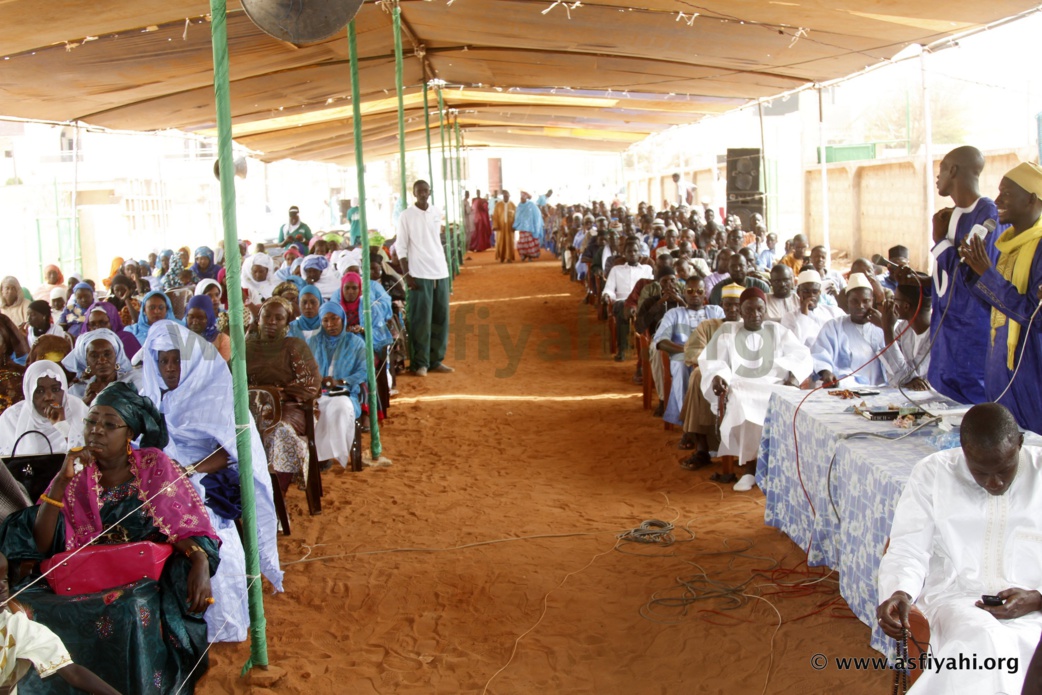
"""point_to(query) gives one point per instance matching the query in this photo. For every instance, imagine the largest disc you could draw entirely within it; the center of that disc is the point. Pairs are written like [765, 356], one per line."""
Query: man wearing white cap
[745, 362]
[1011, 287]
[808, 318]
[295, 228]
[848, 343]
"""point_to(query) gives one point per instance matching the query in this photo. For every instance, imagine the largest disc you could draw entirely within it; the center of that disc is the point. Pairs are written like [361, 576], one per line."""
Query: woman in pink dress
[482, 238]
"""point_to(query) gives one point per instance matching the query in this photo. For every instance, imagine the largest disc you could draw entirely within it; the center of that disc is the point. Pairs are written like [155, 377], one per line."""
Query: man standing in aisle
[427, 277]
[960, 320]
[503, 226]
[294, 230]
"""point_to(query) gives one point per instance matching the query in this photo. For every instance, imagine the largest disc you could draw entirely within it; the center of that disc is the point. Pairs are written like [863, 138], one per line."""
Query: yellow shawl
[1016, 254]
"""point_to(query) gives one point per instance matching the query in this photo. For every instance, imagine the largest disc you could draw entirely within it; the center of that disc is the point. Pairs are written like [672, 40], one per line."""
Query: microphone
[879, 260]
[980, 231]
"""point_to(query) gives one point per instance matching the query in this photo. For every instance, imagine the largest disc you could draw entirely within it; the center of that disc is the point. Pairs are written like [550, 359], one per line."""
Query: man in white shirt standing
[967, 527]
[427, 276]
[621, 281]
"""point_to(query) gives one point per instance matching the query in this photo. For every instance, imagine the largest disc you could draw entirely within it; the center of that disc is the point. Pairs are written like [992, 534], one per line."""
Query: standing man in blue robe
[959, 322]
[1010, 286]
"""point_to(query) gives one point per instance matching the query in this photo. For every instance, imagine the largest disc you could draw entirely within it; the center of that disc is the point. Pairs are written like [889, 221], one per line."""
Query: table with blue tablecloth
[838, 503]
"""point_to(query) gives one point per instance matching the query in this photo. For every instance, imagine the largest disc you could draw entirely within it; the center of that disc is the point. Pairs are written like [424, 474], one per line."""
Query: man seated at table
[849, 343]
[744, 363]
[672, 334]
[808, 318]
[967, 525]
[783, 298]
[907, 362]
[699, 421]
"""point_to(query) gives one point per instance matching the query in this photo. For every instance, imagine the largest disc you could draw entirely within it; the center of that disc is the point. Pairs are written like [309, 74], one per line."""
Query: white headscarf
[204, 285]
[22, 417]
[263, 290]
[200, 416]
[76, 361]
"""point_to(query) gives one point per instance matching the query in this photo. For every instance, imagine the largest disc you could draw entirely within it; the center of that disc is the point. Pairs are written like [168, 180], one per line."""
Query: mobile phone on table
[989, 600]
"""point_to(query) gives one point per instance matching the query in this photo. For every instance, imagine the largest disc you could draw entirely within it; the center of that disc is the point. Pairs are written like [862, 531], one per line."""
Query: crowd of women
[128, 383]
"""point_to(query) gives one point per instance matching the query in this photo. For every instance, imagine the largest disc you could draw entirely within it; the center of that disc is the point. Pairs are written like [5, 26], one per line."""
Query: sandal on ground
[697, 460]
[721, 478]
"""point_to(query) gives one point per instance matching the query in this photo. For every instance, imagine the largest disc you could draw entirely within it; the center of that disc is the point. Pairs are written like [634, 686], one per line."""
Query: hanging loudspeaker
[301, 22]
[240, 168]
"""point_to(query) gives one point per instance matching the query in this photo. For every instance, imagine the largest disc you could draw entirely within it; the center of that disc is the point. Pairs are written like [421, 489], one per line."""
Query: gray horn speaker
[240, 168]
[301, 22]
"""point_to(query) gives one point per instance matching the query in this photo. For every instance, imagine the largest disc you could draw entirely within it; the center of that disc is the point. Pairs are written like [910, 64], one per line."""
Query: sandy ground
[540, 433]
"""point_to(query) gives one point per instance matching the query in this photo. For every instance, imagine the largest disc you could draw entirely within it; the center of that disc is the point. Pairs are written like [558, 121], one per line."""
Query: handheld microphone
[980, 231]
[879, 260]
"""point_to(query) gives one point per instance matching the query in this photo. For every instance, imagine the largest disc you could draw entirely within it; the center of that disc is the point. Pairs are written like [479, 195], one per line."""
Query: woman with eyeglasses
[144, 637]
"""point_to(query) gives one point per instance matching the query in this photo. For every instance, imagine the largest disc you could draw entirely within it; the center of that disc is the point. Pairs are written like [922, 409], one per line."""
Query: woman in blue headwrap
[155, 306]
[204, 267]
[309, 323]
[192, 387]
[200, 319]
[340, 355]
[317, 271]
[291, 273]
[73, 318]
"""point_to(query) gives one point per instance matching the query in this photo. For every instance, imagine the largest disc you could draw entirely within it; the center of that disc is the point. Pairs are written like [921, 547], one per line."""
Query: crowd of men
[727, 317]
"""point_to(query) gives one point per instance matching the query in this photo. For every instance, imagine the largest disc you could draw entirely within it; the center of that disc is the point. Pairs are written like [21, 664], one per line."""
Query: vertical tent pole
[824, 172]
[449, 250]
[456, 193]
[427, 129]
[367, 303]
[462, 200]
[928, 179]
[396, 13]
[763, 171]
[233, 263]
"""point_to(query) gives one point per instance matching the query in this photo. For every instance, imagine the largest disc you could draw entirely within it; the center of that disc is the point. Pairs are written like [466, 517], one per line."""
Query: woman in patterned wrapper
[274, 359]
[144, 637]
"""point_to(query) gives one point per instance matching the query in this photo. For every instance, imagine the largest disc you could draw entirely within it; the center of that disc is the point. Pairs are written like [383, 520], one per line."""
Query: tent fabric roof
[595, 75]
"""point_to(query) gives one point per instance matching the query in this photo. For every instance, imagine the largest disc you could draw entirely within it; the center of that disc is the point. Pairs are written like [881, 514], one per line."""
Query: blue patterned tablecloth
[848, 530]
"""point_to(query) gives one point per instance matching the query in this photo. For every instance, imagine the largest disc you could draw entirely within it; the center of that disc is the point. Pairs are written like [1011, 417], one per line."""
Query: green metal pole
[233, 263]
[450, 256]
[462, 199]
[427, 123]
[396, 13]
[367, 301]
[453, 194]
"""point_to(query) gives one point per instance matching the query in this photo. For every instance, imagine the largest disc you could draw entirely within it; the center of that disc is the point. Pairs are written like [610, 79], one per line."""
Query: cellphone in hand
[989, 600]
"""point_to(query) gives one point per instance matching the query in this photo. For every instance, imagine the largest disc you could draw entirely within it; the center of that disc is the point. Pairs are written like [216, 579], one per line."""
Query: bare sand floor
[540, 433]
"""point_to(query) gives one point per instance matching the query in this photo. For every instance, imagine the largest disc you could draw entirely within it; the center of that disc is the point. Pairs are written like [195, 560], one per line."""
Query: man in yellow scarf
[1013, 370]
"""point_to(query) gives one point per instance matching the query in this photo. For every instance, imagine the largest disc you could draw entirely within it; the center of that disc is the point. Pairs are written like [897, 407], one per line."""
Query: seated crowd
[687, 284]
[726, 319]
[129, 382]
